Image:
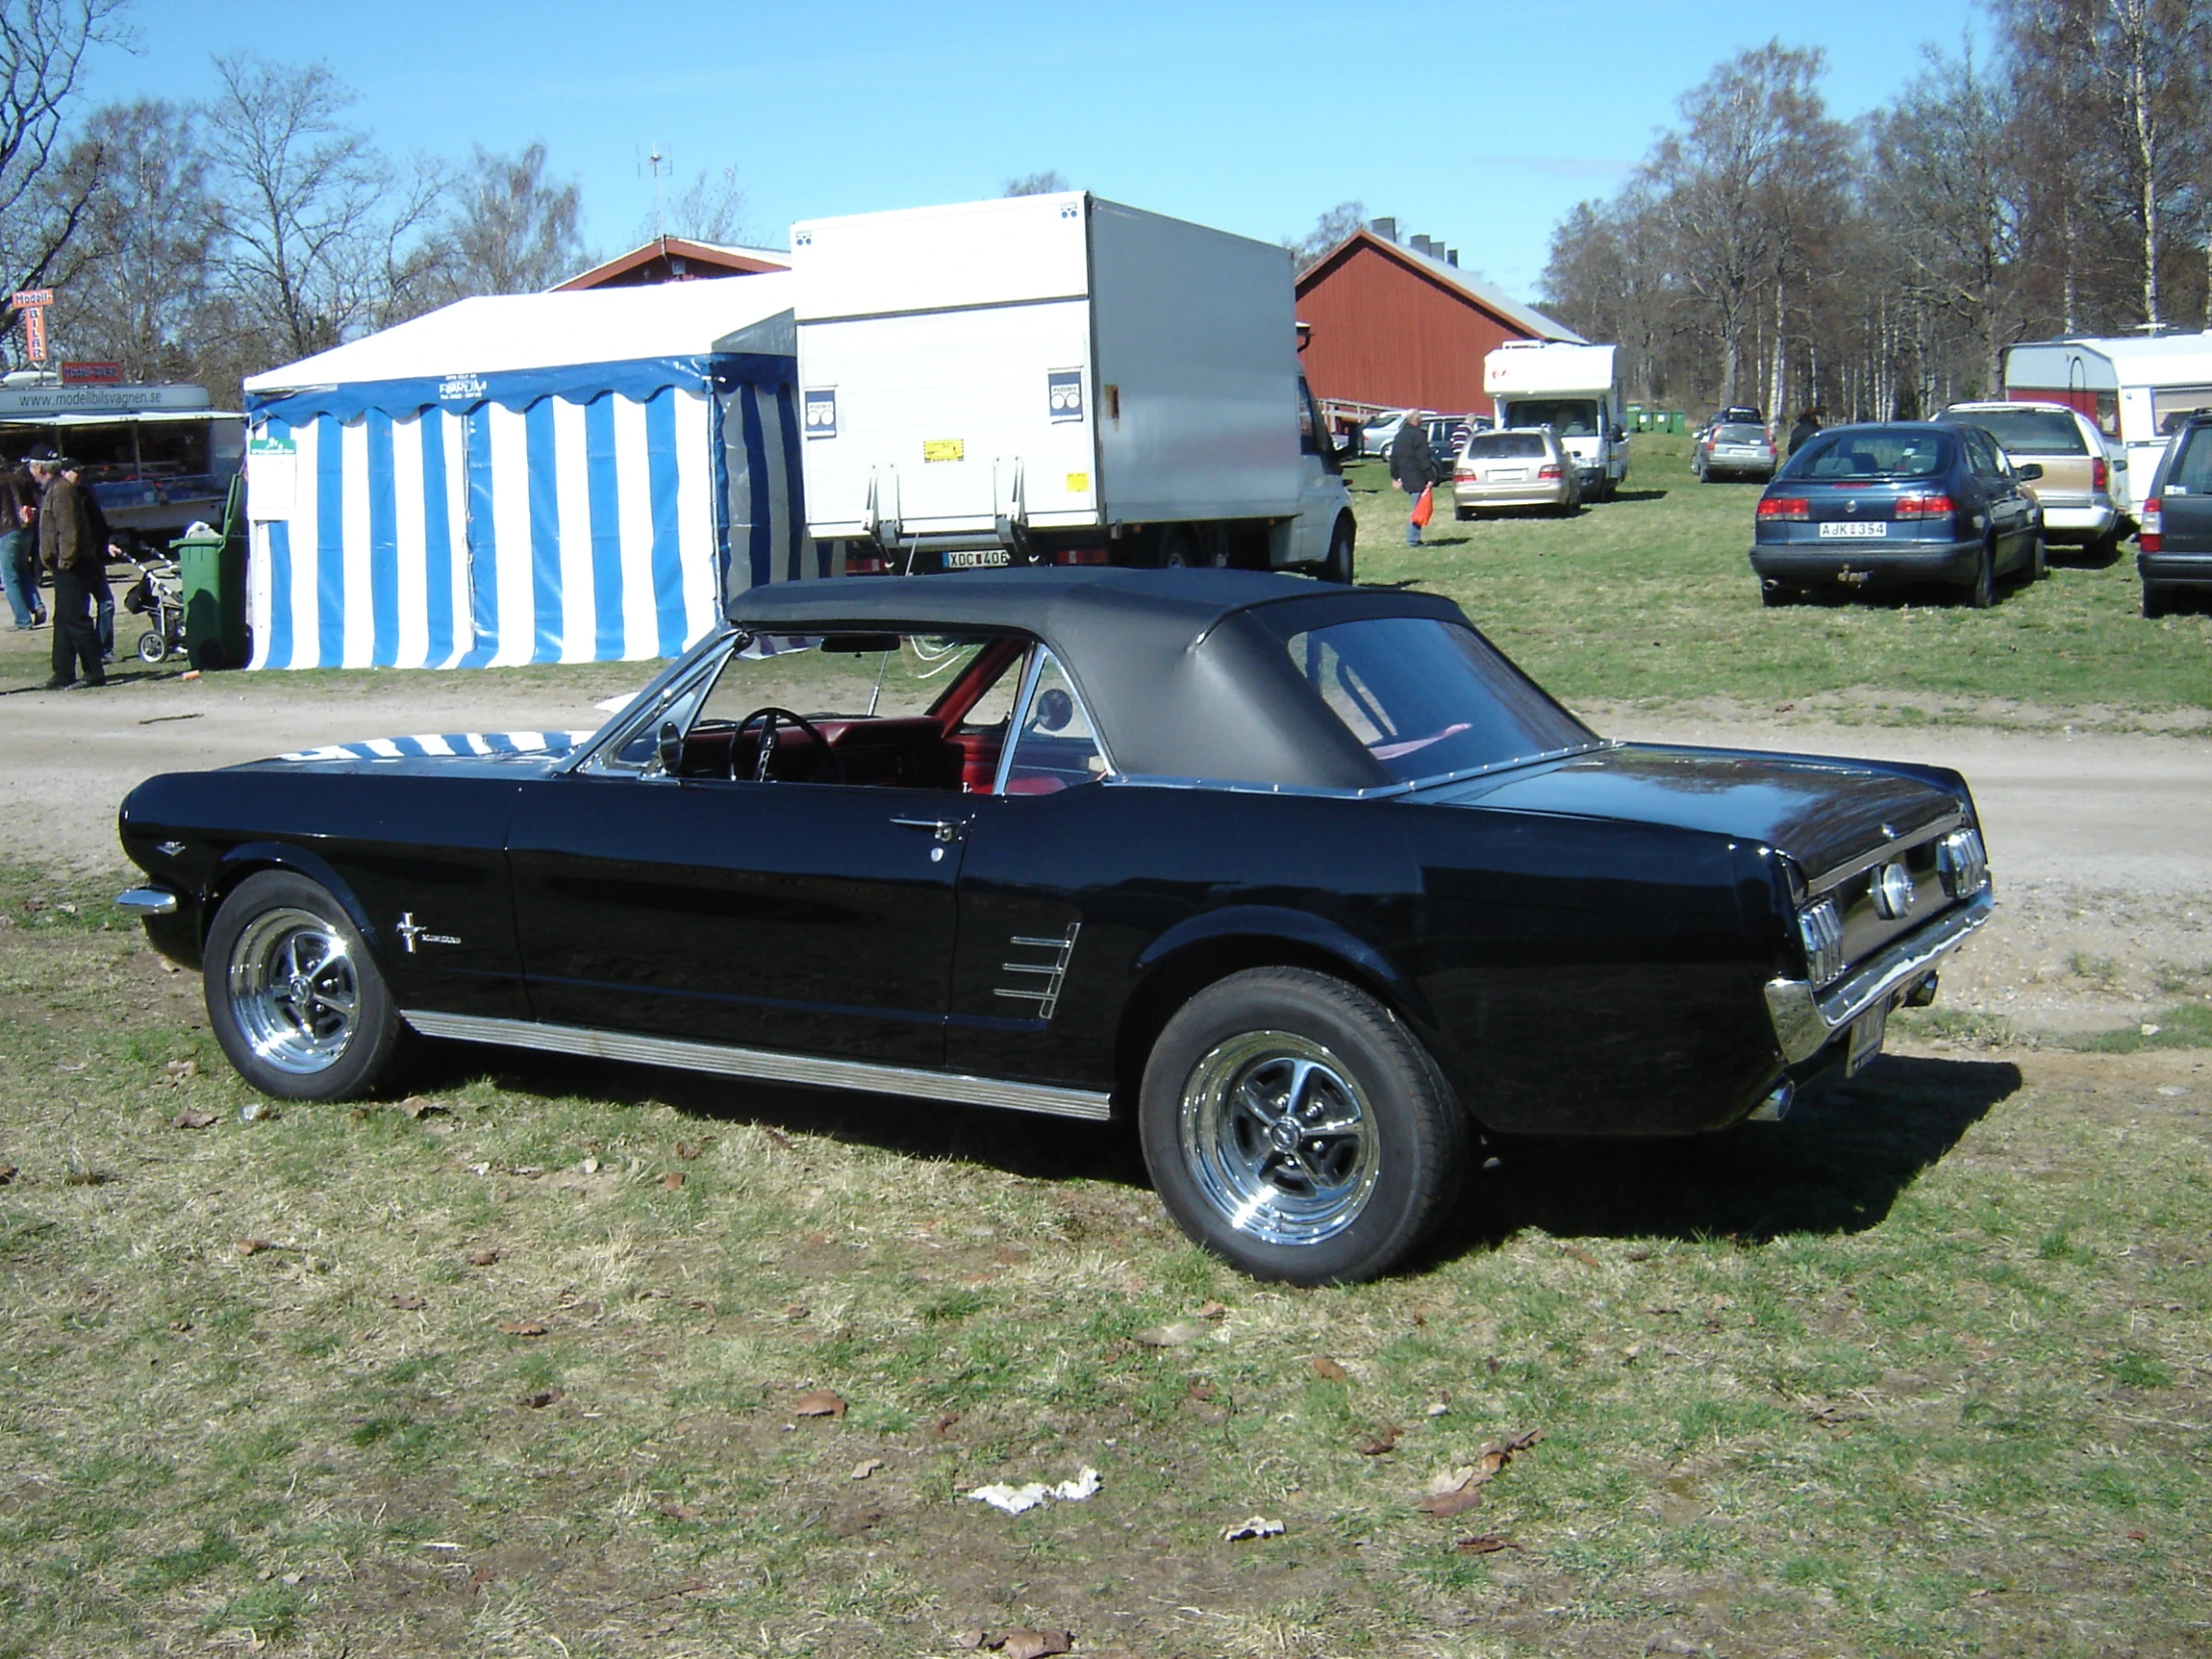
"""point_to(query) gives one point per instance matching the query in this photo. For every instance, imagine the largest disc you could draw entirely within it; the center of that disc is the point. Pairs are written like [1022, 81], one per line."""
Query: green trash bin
[211, 570]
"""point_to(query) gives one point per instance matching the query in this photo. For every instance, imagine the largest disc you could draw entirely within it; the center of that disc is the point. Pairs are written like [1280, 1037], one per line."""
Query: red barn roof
[677, 260]
[1400, 330]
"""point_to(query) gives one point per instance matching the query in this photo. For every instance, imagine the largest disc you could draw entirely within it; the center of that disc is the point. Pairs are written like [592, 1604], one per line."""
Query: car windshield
[1739, 433]
[1505, 446]
[1570, 417]
[1857, 454]
[1426, 696]
[2029, 431]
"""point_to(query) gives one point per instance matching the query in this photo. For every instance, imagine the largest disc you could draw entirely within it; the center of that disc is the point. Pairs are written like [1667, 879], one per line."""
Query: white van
[1574, 389]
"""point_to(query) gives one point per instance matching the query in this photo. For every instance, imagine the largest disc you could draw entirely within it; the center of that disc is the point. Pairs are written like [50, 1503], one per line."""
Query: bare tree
[712, 208]
[42, 204]
[1331, 228]
[1754, 131]
[316, 217]
[1048, 183]
[148, 239]
[507, 227]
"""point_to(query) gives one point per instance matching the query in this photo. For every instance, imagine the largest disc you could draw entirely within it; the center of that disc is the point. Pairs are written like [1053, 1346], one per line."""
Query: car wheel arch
[1212, 948]
[250, 858]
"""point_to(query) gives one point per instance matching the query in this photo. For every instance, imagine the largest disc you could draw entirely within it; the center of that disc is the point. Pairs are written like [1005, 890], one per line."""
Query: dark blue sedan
[1897, 504]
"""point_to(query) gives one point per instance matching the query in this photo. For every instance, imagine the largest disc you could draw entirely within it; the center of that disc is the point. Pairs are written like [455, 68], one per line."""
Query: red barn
[1396, 328]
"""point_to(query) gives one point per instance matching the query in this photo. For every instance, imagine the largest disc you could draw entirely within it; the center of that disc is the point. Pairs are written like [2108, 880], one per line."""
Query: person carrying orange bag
[1414, 471]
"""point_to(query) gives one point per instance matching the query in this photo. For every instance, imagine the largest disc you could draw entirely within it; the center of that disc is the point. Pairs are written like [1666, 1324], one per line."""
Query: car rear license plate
[1865, 1038]
[978, 558]
[1853, 529]
[1509, 475]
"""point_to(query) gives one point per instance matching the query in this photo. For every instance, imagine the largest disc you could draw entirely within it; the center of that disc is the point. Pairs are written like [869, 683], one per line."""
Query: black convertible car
[1310, 879]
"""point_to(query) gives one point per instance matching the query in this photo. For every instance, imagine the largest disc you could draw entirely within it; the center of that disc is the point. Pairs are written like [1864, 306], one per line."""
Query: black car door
[800, 917]
[2011, 511]
[2185, 493]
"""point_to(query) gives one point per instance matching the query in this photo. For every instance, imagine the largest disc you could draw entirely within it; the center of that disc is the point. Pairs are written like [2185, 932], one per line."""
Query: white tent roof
[501, 334]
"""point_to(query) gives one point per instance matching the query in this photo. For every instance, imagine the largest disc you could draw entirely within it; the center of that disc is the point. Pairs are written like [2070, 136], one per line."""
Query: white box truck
[1057, 379]
[1574, 389]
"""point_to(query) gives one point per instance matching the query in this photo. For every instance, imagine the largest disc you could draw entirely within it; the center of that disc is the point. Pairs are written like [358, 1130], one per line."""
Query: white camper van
[1058, 379]
[2135, 389]
[1574, 389]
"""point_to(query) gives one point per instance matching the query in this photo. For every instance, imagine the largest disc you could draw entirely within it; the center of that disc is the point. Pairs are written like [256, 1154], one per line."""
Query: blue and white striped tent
[458, 491]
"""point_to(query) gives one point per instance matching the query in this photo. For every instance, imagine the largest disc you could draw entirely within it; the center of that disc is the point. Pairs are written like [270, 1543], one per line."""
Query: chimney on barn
[1386, 228]
[1420, 245]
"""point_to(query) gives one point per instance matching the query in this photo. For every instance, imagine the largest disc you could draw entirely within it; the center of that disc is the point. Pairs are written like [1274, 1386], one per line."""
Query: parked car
[1740, 414]
[1733, 449]
[1376, 436]
[1446, 433]
[1518, 467]
[2174, 555]
[1896, 504]
[2075, 492]
[1309, 880]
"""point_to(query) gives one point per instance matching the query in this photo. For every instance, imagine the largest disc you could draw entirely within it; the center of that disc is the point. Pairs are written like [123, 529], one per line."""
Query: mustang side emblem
[1054, 971]
[411, 935]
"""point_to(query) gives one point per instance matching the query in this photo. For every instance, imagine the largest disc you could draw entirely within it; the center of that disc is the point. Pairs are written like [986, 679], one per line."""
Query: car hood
[1820, 812]
[445, 755]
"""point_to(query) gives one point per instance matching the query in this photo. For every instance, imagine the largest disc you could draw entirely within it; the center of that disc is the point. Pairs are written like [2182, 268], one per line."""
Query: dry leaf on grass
[784, 1141]
[482, 1257]
[1258, 1526]
[679, 1511]
[1212, 1311]
[7, 1174]
[1581, 1255]
[672, 1179]
[182, 1069]
[1455, 1491]
[866, 1467]
[1483, 1543]
[539, 1400]
[1031, 1644]
[1377, 1444]
[1169, 1335]
[408, 1302]
[688, 1149]
[416, 1106]
[192, 1120]
[822, 1403]
[523, 1328]
[1328, 1371]
[253, 1246]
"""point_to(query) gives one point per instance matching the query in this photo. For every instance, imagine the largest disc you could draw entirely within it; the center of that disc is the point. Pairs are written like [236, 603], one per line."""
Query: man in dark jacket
[1807, 424]
[72, 549]
[102, 591]
[1412, 466]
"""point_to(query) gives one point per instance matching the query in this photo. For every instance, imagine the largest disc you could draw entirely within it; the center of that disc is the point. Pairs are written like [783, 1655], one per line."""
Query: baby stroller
[159, 596]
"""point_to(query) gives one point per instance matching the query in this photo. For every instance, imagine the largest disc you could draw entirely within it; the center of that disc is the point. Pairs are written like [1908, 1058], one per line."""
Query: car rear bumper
[1805, 1019]
[2175, 570]
[1865, 564]
[2070, 524]
[1470, 498]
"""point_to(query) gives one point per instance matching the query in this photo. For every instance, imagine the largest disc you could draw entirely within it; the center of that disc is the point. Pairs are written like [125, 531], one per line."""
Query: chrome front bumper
[147, 901]
[1805, 1019]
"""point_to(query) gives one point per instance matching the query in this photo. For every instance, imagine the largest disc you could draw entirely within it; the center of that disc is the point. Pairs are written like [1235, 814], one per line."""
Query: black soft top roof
[1183, 670]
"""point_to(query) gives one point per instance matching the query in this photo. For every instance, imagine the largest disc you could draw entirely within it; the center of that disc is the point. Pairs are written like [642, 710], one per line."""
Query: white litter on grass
[1015, 1500]
[1259, 1526]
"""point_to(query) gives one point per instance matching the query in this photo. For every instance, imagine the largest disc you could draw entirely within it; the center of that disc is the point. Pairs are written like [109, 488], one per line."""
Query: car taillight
[1548, 474]
[1925, 507]
[1462, 474]
[862, 565]
[2100, 475]
[2152, 537]
[1792, 509]
[1080, 556]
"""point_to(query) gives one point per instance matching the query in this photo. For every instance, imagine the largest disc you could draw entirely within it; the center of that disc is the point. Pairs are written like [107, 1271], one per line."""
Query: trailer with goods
[1574, 389]
[1057, 379]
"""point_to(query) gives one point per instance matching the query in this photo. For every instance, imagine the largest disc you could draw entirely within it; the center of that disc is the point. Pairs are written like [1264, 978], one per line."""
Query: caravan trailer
[2137, 389]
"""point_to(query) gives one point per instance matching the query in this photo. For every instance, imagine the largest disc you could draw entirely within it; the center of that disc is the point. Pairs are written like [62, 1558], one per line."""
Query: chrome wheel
[1279, 1139]
[292, 991]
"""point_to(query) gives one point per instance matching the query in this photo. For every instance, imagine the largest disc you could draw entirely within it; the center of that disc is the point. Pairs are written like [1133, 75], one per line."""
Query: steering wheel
[768, 714]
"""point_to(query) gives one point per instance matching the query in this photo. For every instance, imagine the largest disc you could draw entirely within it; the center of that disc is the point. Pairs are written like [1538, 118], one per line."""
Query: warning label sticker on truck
[821, 412]
[944, 449]
[1079, 483]
[1063, 393]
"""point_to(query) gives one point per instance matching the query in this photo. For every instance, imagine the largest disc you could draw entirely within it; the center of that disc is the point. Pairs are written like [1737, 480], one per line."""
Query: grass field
[1650, 599]
[514, 1368]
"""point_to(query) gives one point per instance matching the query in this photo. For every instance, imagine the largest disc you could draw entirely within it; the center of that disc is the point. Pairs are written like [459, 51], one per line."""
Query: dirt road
[2099, 841]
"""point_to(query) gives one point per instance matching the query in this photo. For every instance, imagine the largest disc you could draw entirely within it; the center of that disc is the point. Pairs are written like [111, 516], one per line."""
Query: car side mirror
[2031, 471]
[2119, 463]
[671, 747]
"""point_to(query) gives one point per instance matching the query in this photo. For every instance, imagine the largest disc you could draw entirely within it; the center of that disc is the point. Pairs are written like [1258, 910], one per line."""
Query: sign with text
[23, 297]
[92, 374]
[33, 333]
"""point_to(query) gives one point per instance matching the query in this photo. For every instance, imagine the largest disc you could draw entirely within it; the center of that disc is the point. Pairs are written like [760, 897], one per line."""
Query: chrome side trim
[1372, 791]
[1804, 1019]
[147, 901]
[765, 1065]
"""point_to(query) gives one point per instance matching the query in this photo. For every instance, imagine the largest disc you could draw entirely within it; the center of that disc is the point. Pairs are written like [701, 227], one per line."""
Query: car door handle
[942, 830]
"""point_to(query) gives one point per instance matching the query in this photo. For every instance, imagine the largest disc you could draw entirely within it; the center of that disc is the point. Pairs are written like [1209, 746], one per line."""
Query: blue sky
[1480, 124]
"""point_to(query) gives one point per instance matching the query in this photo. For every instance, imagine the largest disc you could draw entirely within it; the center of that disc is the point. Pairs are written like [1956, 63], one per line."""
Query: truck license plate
[978, 558]
[1865, 1038]
[1851, 529]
